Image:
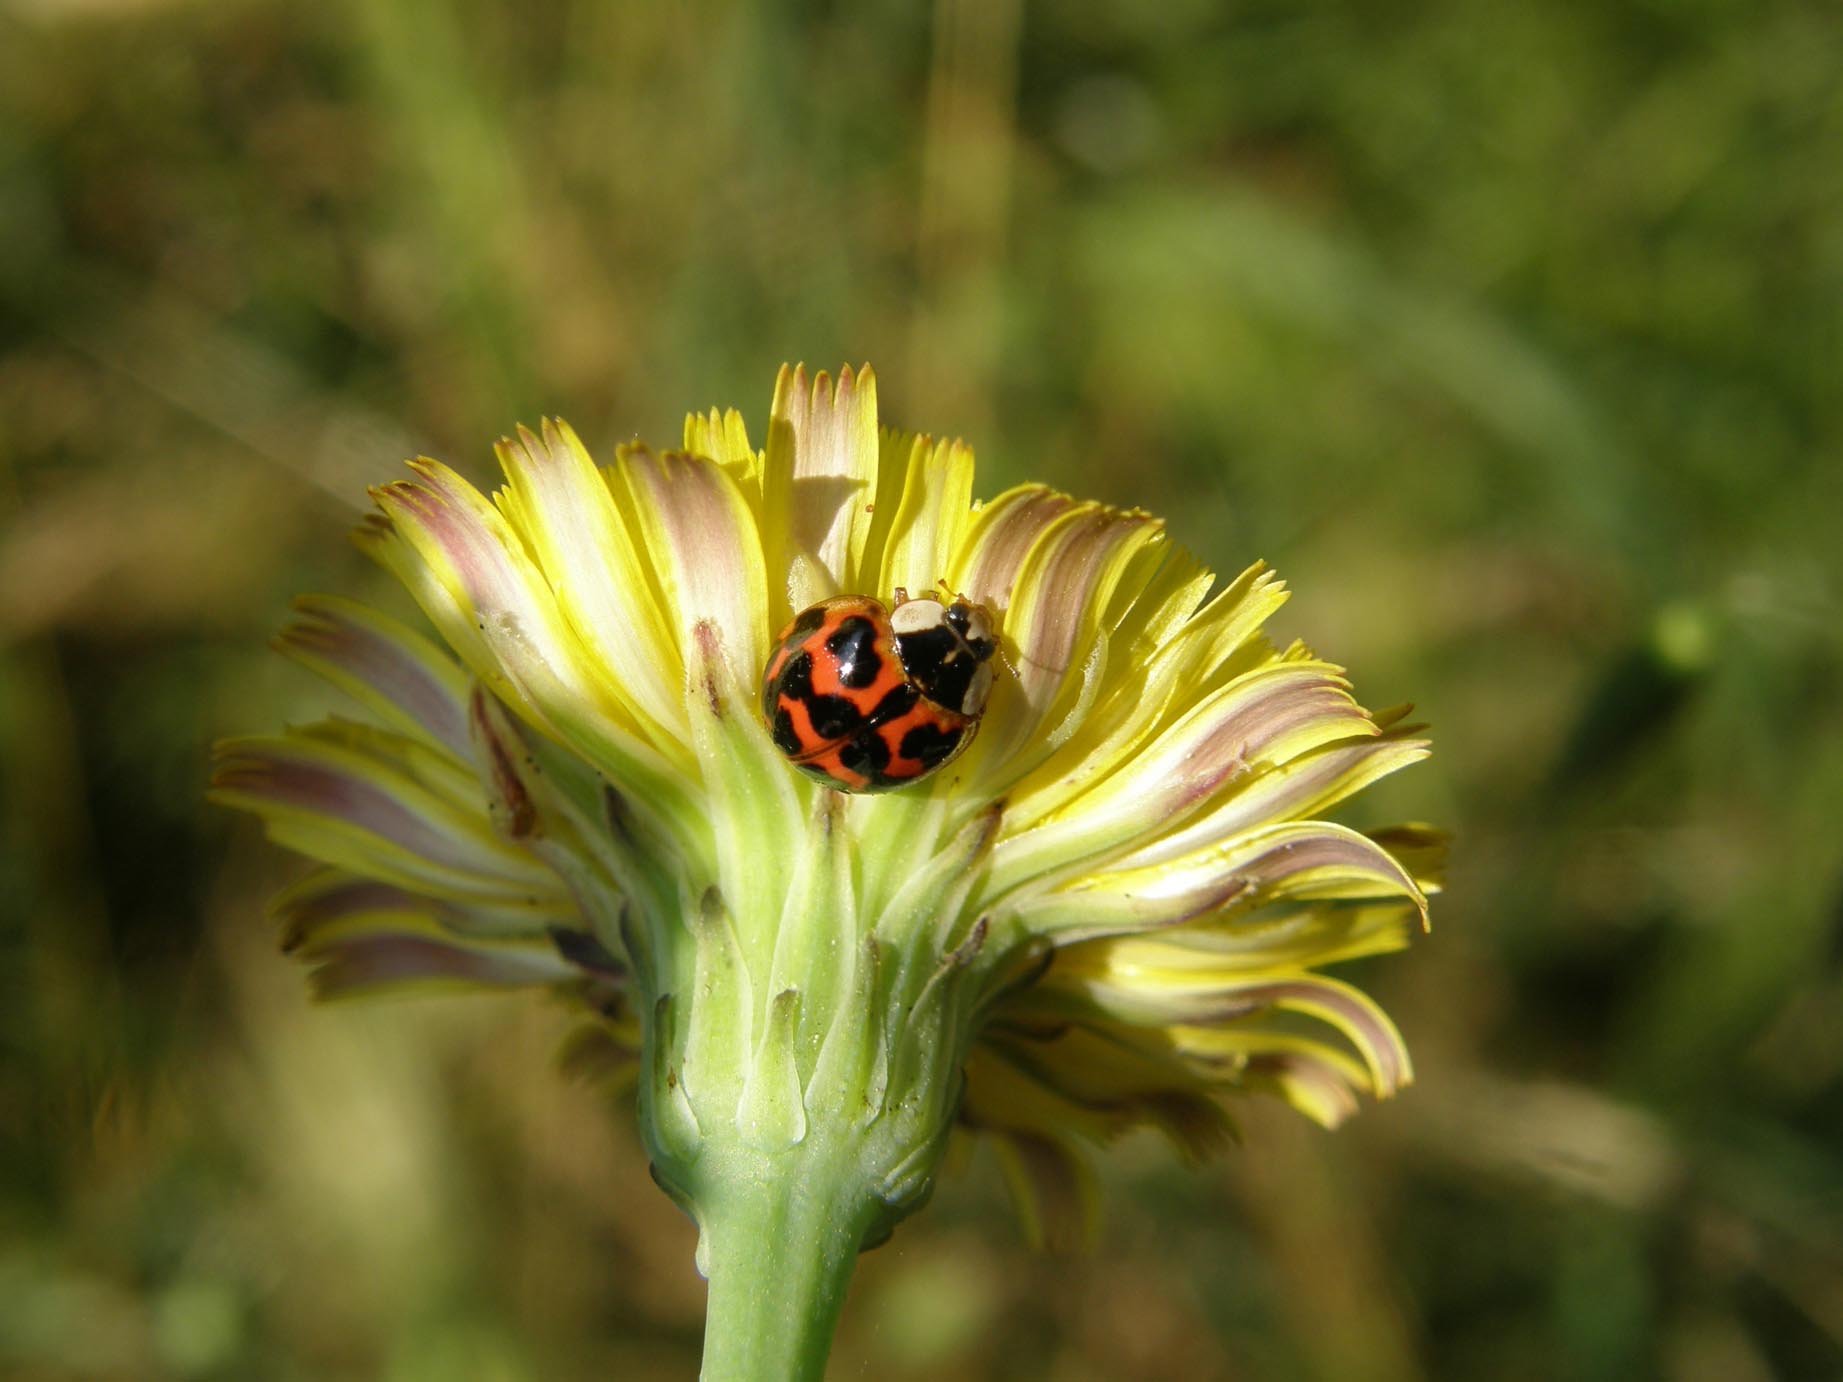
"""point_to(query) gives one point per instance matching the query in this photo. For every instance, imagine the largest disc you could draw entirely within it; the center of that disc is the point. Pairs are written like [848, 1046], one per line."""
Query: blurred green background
[1512, 335]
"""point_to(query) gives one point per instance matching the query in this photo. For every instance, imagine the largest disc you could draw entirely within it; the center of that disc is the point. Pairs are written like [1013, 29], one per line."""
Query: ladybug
[865, 698]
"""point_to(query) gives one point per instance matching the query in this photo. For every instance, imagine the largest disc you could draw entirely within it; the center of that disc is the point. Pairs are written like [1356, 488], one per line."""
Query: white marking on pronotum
[913, 616]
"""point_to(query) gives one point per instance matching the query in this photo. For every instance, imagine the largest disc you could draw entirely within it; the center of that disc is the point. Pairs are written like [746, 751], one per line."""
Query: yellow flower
[1109, 911]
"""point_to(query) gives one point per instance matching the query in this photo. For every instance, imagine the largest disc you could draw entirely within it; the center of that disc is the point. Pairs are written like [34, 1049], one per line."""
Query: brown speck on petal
[512, 798]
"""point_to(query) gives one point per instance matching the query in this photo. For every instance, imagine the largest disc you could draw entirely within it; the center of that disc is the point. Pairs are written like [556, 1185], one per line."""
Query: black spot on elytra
[931, 746]
[810, 621]
[785, 738]
[771, 685]
[897, 702]
[866, 754]
[796, 679]
[853, 645]
[833, 717]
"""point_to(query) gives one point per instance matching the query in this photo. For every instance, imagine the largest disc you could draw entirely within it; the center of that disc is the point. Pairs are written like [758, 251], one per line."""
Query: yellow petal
[391, 670]
[1303, 936]
[474, 576]
[1269, 714]
[1306, 786]
[422, 959]
[1304, 860]
[695, 521]
[927, 512]
[724, 438]
[1165, 655]
[819, 484]
[329, 903]
[596, 571]
[368, 803]
[1049, 567]
[1354, 1014]
[1318, 1079]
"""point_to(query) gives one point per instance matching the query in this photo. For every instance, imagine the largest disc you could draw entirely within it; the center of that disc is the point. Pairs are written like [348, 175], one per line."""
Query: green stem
[781, 1237]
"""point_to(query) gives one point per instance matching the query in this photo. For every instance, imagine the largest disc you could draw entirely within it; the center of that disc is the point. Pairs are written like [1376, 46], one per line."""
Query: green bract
[1107, 912]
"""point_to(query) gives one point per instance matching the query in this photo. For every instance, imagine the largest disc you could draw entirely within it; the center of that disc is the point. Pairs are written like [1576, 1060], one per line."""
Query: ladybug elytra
[865, 698]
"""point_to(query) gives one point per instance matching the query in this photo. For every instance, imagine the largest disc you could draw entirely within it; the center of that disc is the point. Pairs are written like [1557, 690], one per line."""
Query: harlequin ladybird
[865, 698]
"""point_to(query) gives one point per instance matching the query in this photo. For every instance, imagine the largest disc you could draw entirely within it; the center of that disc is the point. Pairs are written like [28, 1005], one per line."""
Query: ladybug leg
[902, 595]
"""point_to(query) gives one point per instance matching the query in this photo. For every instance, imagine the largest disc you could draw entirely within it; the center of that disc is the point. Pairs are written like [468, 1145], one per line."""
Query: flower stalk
[780, 1236]
[1109, 911]
[784, 1237]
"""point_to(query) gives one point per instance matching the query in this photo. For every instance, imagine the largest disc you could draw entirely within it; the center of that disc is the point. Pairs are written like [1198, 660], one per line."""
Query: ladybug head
[974, 626]
[946, 650]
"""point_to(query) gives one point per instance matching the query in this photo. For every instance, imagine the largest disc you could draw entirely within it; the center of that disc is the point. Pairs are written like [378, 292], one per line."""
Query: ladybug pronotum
[866, 698]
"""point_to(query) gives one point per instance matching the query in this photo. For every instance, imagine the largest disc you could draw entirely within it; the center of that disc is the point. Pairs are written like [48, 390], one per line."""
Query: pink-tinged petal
[350, 806]
[392, 670]
[330, 903]
[439, 597]
[483, 564]
[1167, 661]
[1164, 658]
[597, 570]
[1050, 569]
[1285, 936]
[1269, 714]
[819, 484]
[1354, 1014]
[922, 513]
[1053, 614]
[1320, 1082]
[474, 577]
[328, 899]
[371, 963]
[1306, 786]
[706, 552]
[549, 802]
[999, 537]
[1306, 860]
[363, 935]
[1189, 1003]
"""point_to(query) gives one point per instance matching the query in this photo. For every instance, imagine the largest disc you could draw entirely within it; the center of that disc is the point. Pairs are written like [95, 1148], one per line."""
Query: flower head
[1108, 911]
